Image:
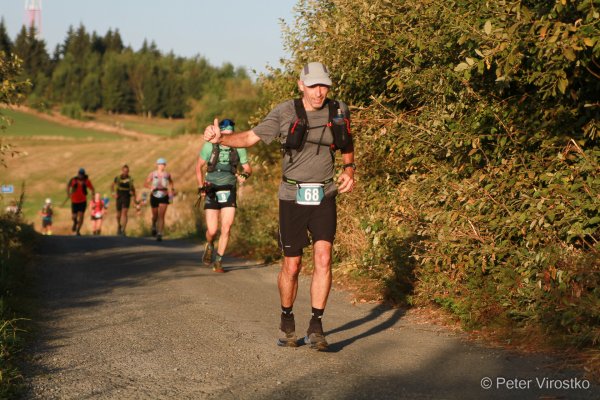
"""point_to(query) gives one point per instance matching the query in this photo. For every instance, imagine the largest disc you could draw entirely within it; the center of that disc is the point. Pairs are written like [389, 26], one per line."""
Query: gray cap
[315, 73]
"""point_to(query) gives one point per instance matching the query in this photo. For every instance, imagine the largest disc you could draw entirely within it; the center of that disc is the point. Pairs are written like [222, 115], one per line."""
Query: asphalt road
[130, 318]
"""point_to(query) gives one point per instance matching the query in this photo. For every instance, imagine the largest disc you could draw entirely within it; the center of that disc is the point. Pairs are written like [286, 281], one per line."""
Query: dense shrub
[72, 110]
[16, 239]
[476, 129]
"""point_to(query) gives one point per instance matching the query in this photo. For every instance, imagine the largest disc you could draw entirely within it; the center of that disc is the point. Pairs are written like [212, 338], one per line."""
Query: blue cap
[161, 161]
[81, 171]
[227, 125]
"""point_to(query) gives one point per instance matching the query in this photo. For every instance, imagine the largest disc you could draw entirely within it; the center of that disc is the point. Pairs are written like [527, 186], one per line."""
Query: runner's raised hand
[212, 133]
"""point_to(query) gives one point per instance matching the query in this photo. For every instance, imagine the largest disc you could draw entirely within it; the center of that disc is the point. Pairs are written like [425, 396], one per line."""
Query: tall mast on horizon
[33, 16]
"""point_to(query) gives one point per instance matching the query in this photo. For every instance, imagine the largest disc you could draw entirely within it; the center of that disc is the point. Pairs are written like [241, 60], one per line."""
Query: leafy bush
[72, 110]
[15, 243]
[476, 129]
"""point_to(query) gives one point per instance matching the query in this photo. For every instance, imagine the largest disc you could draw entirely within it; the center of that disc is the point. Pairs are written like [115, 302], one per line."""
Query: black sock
[317, 312]
[287, 312]
[314, 325]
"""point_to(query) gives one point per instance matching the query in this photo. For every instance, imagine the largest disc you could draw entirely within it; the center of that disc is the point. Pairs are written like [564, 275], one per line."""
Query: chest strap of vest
[296, 182]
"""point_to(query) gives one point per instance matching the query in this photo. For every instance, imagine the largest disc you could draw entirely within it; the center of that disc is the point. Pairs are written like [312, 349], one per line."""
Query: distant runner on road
[77, 191]
[220, 191]
[97, 211]
[123, 190]
[311, 129]
[162, 191]
[47, 212]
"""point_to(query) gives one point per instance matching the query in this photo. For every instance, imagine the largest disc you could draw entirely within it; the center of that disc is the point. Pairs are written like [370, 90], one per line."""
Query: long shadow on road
[374, 314]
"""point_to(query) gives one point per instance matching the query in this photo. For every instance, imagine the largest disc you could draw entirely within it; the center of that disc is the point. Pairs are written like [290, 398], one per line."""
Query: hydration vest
[298, 130]
[234, 160]
[74, 183]
[124, 184]
[160, 183]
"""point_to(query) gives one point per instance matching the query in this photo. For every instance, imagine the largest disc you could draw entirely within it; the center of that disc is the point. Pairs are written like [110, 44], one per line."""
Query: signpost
[9, 189]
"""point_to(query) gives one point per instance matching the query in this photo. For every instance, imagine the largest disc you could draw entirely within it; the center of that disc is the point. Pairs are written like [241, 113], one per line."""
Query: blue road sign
[8, 189]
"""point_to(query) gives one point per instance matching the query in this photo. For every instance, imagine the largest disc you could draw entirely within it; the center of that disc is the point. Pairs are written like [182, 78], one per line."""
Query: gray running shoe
[288, 332]
[316, 341]
[208, 254]
[218, 267]
[159, 237]
[315, 336]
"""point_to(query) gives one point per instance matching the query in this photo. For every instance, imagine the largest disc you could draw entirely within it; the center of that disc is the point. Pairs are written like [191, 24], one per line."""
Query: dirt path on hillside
[61, 119]
[130, 318]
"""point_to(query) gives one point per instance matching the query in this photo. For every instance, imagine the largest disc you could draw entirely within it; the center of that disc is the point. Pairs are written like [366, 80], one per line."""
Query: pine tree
[5, 42]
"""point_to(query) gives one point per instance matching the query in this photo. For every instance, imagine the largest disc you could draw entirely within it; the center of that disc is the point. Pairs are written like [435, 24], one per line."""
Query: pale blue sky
[244, 32]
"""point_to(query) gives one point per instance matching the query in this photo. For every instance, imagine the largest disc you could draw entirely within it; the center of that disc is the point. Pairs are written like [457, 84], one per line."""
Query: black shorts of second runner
[211, 202]
[297, 220]
[123, 200]
[78, 207]
[46, 222]
[155, 201]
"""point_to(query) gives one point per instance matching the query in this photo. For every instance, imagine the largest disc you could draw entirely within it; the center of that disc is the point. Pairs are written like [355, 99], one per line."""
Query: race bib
[223, 196]
[310, 194]
[98, 215]
[159, 194]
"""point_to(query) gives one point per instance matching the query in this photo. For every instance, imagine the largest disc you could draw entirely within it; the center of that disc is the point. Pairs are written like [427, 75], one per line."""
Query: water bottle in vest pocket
[340, 126]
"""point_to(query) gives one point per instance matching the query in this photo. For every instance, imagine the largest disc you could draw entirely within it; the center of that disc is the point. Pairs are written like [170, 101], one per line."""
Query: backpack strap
[214, 158]
[300, 111]
[333, 107]
[234, 159]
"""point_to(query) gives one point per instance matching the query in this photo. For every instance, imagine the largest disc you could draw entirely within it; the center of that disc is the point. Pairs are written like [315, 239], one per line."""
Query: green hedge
[476, 129]
[16, 242]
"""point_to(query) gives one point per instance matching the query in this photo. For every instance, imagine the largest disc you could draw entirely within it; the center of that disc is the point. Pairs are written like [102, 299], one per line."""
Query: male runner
[77, 190]
[123, 190]
[220, 189]
[307, 192]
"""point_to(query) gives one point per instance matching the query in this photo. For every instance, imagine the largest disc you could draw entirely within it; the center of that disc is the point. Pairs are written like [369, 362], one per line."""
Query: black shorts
[78, 207]
[296, 221]
[155, 201]
[215, 200]
[123, 200]
[46, 222]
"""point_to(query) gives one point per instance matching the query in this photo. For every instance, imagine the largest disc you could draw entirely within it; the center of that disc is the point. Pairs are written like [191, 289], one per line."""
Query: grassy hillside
[28, 125]
[154, 126]
[45, 164]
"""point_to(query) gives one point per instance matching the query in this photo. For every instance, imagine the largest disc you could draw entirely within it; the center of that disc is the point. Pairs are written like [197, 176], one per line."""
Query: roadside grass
[28, 125]
[16, 246]
[154, 126]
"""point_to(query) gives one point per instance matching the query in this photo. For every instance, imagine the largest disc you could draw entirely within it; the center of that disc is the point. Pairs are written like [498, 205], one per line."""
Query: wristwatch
[351, 165]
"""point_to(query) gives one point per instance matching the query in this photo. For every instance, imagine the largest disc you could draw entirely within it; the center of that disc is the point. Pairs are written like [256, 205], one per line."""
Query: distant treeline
[97, 72]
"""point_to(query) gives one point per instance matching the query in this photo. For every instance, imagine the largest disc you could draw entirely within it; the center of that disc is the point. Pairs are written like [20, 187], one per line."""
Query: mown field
[154, 126]
[31, 126]
[50, 154]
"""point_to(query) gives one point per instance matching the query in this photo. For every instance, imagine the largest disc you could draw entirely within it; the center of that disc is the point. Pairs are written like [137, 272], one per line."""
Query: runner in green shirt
[220, 190]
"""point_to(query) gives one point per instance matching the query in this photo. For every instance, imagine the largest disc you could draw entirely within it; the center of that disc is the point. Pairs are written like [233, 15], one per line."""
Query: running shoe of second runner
[159, 237]
[287, 327]
[217, 266]
[208, 254]
[315, 336]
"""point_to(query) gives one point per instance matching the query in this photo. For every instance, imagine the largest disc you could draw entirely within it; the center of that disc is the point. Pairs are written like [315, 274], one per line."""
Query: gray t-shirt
[314, 163]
